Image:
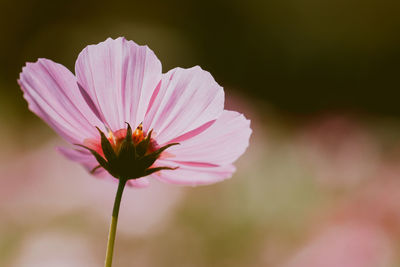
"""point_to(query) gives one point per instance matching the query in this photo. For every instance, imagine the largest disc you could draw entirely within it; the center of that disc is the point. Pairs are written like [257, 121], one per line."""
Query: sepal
[103, 163]
[153, 170]
[127, 150]
[126, 159]
[108, 150]
[149, 159]
[143, 146]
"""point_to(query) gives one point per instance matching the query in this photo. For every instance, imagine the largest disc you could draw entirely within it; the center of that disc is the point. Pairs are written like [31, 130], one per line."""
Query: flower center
[126, 154]
[116, 138]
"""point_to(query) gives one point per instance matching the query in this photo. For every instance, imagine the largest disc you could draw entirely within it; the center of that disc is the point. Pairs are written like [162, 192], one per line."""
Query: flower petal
[139, 183]
[186, 100]
[193, 175]
[83, 157]
[120, 77]
[221, 144]
[53, 94]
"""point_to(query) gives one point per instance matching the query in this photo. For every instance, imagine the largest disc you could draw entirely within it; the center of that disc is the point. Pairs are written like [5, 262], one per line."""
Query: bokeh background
[319, 185]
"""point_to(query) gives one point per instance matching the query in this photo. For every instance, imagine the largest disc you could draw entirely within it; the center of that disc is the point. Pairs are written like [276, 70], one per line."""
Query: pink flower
[118, 82]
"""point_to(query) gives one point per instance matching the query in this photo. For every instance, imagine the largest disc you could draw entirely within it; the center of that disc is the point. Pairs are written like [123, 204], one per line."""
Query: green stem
[113, 225]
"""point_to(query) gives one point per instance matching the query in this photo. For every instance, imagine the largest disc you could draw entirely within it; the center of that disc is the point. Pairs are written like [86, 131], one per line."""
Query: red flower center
[116, 138]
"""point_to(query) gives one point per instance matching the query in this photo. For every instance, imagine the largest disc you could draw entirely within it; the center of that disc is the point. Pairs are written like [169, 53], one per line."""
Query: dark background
[300, 56]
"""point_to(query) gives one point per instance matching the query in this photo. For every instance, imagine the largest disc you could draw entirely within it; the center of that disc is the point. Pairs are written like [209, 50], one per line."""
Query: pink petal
[139, 183]
[83, 157]
[52, 93]
[87, 160]
[120, 77]
[193, 175]
[186, 100]
[221, 144]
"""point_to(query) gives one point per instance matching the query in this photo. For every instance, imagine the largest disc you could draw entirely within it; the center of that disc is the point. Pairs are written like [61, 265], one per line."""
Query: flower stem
[113, 224]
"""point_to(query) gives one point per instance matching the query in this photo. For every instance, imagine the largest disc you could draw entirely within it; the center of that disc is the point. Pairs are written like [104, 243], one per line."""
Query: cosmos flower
[181, 133]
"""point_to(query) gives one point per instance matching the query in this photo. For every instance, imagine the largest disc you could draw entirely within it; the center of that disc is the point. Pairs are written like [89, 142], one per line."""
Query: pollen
[138, 134]
[111, 137]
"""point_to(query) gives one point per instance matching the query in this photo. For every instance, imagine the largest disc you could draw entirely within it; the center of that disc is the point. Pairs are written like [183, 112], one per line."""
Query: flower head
[119, 84]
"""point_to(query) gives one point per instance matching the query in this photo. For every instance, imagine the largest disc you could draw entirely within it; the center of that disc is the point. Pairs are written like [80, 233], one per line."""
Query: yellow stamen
[138, 134]
[111, 136]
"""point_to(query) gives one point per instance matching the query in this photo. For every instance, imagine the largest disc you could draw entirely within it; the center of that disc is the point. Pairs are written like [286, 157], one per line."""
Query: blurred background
[319, 185]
